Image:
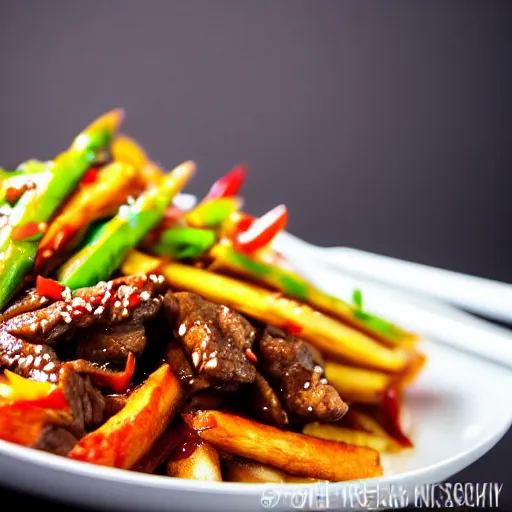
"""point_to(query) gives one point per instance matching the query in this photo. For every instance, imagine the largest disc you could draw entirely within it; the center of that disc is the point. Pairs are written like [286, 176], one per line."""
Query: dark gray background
[383, 125]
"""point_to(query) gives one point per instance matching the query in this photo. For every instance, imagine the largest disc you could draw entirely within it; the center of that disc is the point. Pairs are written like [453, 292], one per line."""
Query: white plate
[459, 408]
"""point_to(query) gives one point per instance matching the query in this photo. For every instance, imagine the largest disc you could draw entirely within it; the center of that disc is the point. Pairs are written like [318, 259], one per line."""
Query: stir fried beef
[213, 350]
[33, 361]
[42, 325]
[57, 440]
[266, 405]
[106, 303]
[86, 402]
[30, 301]
[214, 337]
[112, 343]
[288, 364]
[184, 370]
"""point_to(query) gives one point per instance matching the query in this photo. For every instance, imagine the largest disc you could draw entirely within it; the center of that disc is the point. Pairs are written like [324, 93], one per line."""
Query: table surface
[493, 467]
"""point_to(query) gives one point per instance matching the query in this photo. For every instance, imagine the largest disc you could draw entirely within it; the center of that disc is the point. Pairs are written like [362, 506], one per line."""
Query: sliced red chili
[90, 176]
[118, 382]
[292, 328]
[244, 223]
[251, 356]
[229, 184]
[26, 231]
[49, 288]
[391, 406]
[263, 230]
[172, 215]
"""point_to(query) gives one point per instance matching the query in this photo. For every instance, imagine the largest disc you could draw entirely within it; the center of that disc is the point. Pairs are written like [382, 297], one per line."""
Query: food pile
[140, 335]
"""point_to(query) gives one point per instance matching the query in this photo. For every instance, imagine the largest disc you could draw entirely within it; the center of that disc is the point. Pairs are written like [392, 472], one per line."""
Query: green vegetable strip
[295, 286]
[116, 238]
[37, 205]
[213, 212]
[183, 242]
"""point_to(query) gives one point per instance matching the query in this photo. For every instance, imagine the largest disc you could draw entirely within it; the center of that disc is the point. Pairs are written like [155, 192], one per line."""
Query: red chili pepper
[27, 230]
[90, 176]
[262, 231]
[244, 223]
[251, 356]
[172, 215]
[49, 288]
[391, 407]
[229, 184]
[118, 382]
[292, 329]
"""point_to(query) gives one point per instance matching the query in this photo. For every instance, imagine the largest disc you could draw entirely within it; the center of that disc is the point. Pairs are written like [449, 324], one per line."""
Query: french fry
[320, 330]
[160, 451]
[247, 471]
[258, 268]
[380, 443]
[202, 464]
[128, 435]
[357, 384]
[294, 453]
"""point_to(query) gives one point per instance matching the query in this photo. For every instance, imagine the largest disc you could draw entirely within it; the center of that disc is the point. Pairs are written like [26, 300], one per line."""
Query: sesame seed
[182, 330]
[124, 291]
[195, 358]
[50, 366]
[144, 296]
[99, 310]
[30, 359]
[37, 361]
[212, 363]
[38, 349]
[306, 385]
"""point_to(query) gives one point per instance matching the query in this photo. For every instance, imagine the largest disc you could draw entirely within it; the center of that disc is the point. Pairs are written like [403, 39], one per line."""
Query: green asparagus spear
[184, 242]
[27, 221]
[99, 258]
